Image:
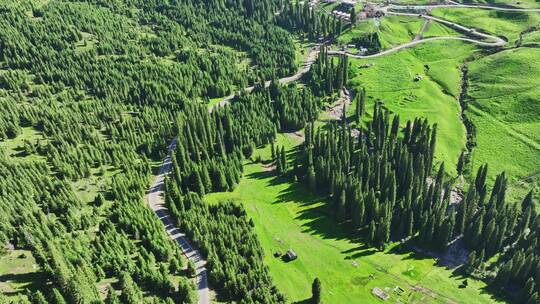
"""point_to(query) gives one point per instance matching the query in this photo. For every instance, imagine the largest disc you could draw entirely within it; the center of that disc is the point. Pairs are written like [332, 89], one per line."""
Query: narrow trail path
[156, 202]
[420, 33]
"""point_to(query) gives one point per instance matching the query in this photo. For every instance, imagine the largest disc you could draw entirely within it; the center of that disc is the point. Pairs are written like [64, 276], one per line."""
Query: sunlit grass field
[434, 96]
[287, 216]
[500, 23]
[505, 108]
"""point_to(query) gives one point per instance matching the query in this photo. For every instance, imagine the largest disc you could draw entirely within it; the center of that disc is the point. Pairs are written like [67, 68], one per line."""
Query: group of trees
[302, 18]
[493, 226]
[103, 84]
[208, 158]
[327, 73]
[43, 214]
[368, 40]
[377, 180]
[381, 182]
[107, 83]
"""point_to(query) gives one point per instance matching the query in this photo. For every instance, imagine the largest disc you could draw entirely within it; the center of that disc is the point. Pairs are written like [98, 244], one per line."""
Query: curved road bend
[496, 41]
[408, 45]
[156, 202]
[459, 5]
[306, 65]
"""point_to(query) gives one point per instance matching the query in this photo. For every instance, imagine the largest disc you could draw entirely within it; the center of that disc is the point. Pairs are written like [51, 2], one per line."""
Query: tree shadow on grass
[273, 180]
[498, 294]
[316, 218]
[363, 253]
[31, 280]
[352, 250]
[306, 301]
[412, 255]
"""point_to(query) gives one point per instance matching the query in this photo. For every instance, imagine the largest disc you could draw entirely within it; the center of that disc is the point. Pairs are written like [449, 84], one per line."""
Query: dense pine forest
[106, 86]
[382, 182]
[94, 91]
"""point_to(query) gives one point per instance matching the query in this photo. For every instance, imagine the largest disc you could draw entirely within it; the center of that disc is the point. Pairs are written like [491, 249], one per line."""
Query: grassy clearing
[15, 148]
[531, 39]
[87, 189]
[513, 3]
[505, 107]
[359, 29]
[436, 29]
[391, 79]
[396, 30]
[213, 101]
[287, 216]
[18, 272]
[505, 24]
[87, 42]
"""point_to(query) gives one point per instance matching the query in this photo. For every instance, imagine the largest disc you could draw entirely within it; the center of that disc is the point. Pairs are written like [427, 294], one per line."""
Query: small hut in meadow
[291, 255]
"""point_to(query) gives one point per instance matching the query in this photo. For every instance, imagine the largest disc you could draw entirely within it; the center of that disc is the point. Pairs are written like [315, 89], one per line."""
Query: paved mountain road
[306, 65]
[491, 41]
[157, 204]
[459, 5]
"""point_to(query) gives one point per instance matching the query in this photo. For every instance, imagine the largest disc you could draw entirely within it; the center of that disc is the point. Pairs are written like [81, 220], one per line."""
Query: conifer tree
[316, 291]
[460, 163]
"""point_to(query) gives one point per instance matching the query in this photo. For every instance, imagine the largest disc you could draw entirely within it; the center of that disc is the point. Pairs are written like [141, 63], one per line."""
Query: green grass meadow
[396, 30]
[505, 106]
[435, 96]
[18, 272]
[287, 216]
[504, 24]
[435, 29]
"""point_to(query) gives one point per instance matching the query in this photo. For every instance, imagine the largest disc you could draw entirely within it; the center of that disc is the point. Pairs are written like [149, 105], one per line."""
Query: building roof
[291, 254]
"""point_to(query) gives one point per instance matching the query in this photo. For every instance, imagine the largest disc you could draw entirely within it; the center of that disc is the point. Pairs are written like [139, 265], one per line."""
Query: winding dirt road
[156, 194]
[454, 4]
[306, 65]
[487, 39]
[155, 201]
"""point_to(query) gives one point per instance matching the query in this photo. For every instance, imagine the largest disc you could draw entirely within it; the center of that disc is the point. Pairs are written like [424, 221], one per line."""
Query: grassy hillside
[396, 30]
[513, 3]
[359, 29]
[531, 39]
[391, 79]
[504, 24]
[504, 107]
[436, 29]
